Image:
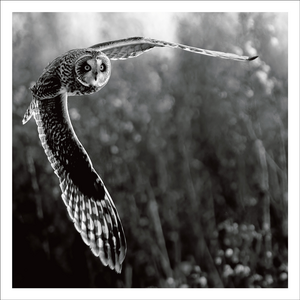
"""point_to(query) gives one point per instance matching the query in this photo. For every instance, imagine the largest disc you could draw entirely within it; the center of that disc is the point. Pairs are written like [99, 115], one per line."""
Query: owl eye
[102, 67]
[87, 67]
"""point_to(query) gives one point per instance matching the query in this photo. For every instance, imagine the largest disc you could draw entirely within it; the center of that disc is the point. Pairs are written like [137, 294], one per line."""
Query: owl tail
[29, 112]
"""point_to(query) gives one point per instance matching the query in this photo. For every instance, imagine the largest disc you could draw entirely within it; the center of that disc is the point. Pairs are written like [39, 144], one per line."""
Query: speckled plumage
[83, 72]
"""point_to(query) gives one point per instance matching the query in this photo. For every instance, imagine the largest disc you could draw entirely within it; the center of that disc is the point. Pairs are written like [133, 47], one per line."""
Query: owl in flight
[82, 72]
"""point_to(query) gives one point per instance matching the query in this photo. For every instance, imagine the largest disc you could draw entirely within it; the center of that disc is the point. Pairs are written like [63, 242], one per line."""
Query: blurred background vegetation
[193, 150]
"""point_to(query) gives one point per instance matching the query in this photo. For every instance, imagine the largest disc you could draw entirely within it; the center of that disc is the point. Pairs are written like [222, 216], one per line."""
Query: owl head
[77, 72]
[92, 69]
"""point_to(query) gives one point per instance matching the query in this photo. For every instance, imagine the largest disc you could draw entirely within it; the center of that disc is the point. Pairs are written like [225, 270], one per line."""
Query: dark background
[193, 150]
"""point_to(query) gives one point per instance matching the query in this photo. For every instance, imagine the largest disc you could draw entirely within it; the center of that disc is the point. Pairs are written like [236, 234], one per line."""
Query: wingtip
[252, 58]
[118, 268]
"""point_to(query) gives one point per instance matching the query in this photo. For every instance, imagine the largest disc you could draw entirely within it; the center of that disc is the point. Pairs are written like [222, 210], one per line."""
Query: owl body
[88, 202]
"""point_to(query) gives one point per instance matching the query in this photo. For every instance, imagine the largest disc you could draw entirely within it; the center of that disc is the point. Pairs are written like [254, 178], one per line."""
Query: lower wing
[87, 200]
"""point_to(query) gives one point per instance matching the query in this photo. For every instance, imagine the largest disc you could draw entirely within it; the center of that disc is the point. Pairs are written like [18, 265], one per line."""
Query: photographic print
[150, 150]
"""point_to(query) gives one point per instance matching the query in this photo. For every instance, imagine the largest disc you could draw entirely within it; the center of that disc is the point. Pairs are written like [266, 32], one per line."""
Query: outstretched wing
[135, 46]
[87, 200]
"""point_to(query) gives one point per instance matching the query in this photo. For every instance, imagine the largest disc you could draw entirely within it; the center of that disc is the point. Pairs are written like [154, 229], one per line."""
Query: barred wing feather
[87, 200]
[135, 46]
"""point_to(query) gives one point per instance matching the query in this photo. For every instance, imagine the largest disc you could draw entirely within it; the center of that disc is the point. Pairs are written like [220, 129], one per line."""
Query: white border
[7, 7]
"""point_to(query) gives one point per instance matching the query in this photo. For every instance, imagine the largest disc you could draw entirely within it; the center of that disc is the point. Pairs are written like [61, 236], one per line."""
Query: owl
[88, 202]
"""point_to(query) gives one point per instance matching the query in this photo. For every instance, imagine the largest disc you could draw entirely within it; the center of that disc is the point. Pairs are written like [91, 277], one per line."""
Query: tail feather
[29, 112]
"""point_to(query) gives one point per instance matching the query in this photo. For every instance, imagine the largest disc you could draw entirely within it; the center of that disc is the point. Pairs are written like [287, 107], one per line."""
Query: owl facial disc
[93, 70]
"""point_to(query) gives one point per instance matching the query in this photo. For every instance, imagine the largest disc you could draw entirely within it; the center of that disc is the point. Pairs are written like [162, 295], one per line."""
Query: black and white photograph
[150, 149]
